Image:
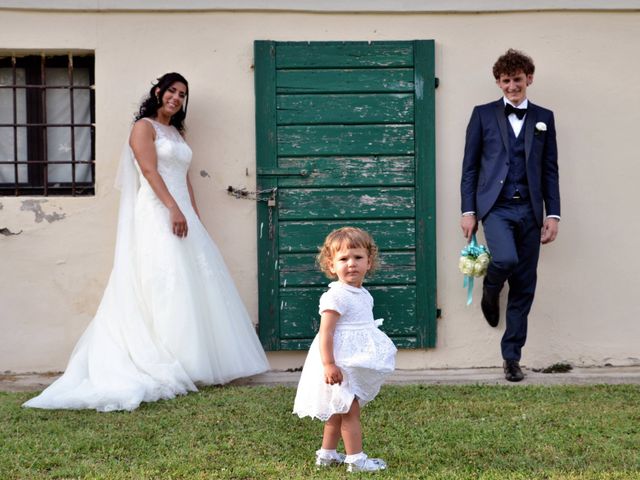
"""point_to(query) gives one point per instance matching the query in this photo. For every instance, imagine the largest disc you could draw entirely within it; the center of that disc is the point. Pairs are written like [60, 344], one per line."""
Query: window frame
[36, 124]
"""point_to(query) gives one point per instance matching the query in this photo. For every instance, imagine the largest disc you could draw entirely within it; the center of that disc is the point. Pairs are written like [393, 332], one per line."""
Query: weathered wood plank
[300, 269]
[345, 109]
[307, 236]
[405, 342]
[304, 344]
[347, 81]
[345, 140]
[344, 54]
[330, 203]
[426, 192]
[268, 324]
[339, 171]
[295, 344]
[396, 305]
[299, 317]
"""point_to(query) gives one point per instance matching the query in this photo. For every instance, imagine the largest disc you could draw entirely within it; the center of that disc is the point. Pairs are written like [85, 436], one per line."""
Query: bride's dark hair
[150, 105]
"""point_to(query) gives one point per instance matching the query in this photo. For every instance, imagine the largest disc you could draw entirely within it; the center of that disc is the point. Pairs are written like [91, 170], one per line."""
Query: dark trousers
[513, 238]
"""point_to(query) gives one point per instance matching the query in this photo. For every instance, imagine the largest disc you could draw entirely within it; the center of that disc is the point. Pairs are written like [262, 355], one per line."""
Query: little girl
[350, 357]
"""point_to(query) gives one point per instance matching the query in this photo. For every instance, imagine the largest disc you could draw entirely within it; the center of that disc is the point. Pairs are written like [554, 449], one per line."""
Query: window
[47, 131]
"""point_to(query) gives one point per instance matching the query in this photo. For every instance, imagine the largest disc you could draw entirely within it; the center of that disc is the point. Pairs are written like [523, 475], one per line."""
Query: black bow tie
[509, 109]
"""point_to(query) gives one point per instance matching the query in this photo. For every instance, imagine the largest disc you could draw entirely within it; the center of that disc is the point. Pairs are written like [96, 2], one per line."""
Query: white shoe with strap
[324, 460]
[366, 464]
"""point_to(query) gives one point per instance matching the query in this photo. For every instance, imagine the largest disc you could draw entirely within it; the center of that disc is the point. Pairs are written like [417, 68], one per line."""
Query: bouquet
[474, 261]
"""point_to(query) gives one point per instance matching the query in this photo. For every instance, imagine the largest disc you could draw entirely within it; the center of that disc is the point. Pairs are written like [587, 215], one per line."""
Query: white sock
[324, 453]
[355, 457]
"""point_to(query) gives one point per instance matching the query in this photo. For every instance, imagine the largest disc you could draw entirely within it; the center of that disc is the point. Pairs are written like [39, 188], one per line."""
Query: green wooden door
[345, 136]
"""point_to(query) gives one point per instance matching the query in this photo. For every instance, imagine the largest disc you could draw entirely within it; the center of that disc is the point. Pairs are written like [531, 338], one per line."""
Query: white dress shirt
[516, 123]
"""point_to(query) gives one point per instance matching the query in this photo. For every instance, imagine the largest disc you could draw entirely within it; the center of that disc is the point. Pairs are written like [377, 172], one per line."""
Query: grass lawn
[434, 432]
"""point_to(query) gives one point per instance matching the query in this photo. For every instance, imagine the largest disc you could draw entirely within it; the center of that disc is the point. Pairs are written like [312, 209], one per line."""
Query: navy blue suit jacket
[486, 160]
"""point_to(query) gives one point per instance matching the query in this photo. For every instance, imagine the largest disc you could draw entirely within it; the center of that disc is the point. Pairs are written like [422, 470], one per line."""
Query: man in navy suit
[510, 183]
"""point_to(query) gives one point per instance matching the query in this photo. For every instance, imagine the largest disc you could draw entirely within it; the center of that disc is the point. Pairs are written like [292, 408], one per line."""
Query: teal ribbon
[468, 284]
[472, 250]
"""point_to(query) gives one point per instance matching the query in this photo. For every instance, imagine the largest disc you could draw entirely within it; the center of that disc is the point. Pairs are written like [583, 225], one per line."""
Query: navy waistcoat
[516, 180]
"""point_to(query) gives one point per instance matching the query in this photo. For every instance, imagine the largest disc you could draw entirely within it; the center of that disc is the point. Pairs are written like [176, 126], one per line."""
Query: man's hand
[549, 230]
[469, 225]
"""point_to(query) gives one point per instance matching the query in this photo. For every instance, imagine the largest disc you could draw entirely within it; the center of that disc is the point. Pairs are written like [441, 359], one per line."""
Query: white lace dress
[170, 317]
[364, 354]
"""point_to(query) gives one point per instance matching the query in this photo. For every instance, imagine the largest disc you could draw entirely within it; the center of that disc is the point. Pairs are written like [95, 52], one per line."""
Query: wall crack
[7, 233]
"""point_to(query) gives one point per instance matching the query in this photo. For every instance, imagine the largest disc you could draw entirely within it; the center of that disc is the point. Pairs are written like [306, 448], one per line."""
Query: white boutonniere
[541, 127]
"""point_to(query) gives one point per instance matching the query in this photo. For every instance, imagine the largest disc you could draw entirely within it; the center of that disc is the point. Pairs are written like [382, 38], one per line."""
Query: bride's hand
[178, 222]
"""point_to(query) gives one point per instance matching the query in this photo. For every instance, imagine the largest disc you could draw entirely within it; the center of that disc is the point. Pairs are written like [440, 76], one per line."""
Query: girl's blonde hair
[349, 237]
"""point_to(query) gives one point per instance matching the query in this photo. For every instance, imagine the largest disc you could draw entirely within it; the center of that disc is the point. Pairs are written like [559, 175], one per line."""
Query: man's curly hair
[512, 62]
[349, 237]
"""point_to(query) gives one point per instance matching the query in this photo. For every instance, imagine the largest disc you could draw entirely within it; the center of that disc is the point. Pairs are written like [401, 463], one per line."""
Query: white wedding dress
[171, 317]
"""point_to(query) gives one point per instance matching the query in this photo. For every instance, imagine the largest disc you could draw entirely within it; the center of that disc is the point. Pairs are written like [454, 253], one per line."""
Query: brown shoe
[512, 371]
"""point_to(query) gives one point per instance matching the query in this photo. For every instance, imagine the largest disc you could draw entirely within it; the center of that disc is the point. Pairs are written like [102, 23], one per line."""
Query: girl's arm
[328, 320]
[144, 149]
[192, 197]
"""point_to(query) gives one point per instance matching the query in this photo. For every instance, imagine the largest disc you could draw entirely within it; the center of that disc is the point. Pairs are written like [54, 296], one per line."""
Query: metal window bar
[41, 179]
[73, 136]
[45, 143]
[14, 76]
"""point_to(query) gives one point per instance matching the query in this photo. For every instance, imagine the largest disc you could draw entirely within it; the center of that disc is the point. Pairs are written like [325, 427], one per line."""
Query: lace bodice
[353, 304]
[174, 155]
[174, 158]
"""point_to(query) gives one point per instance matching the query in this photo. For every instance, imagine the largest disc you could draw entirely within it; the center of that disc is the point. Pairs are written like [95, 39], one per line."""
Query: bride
[171, 317]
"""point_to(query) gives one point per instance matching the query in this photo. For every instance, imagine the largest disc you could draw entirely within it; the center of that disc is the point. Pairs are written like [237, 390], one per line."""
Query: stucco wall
[586, 308]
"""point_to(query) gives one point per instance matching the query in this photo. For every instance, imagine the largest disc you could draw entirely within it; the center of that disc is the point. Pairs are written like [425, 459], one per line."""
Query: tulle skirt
[169, 321]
